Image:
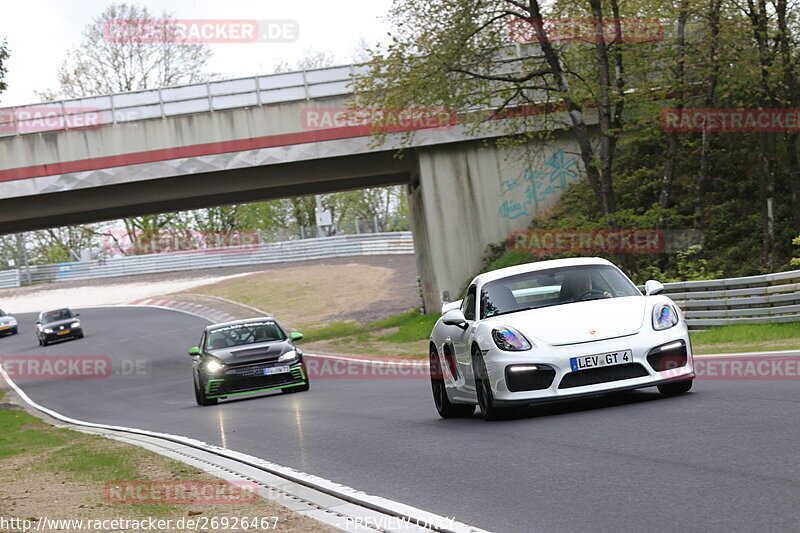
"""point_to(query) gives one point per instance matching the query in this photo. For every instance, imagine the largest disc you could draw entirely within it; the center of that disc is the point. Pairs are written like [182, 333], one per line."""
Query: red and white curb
[214, 315]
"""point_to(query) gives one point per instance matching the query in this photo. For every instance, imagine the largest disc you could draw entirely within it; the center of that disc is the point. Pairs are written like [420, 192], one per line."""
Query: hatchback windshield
[61, 314]
[554, 286]
[241, 334]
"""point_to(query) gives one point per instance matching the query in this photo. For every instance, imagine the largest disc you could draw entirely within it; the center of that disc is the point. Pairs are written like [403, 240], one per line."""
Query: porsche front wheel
[484, 390]
[443, 405]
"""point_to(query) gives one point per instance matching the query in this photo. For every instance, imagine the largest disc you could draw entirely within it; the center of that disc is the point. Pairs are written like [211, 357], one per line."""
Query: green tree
[98, 66]
[4, 53]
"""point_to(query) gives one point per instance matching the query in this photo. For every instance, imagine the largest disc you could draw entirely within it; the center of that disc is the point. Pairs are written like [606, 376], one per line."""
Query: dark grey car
[58, 324]
[245, 357]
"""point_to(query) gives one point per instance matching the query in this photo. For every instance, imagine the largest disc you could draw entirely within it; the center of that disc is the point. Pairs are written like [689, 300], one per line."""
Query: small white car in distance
[555, 330]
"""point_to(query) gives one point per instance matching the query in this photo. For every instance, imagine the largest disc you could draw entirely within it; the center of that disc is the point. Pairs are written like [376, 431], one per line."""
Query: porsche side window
[469, 304]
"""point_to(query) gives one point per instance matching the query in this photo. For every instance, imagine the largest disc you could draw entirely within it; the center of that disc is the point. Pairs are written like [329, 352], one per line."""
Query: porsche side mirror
[296, 336]
[456, 318]
[653, 287]
[194, 351]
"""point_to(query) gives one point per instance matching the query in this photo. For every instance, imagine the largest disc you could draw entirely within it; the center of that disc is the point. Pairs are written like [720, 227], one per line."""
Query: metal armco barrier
[9, 278]
[768, 298]
[277, 252]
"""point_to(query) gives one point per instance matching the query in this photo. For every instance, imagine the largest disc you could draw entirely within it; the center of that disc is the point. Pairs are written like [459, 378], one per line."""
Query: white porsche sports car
[555, 330]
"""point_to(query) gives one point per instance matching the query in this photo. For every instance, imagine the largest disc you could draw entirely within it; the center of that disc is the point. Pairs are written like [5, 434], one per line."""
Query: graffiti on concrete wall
[535, 186]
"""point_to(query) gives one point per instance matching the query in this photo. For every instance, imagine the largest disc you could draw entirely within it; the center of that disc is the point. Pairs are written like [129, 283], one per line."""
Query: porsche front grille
[603, 374]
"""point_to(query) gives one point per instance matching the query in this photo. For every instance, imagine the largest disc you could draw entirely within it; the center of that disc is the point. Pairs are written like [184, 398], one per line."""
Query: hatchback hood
[574, 323]
[265, 351]
[58, 323]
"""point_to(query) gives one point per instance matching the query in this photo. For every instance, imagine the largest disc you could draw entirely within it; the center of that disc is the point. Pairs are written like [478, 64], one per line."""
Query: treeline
[361, 211]
[651, 93]
[97, 66]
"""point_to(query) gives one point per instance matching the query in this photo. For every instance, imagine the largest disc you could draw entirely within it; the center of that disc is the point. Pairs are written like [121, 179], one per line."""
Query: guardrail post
[64, 116]
[161, 102]
[113, 109]
[258, 89]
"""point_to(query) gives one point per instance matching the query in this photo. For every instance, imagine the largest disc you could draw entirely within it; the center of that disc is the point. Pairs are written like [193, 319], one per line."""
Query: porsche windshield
[554, 286]
[241, 334]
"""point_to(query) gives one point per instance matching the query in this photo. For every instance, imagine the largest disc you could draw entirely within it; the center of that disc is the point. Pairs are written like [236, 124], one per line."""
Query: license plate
[5, 327]
[276, 370]
[62, 332]
[603, 359]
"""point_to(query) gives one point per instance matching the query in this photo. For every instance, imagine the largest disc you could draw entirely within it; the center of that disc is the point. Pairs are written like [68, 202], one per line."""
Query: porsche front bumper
[546, 373]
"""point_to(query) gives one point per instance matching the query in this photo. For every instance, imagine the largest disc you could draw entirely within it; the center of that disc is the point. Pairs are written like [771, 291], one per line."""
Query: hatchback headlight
[510, 340]
[664, 317]
[48, 330]
[291, 355]
[75, 325]
[213, 366]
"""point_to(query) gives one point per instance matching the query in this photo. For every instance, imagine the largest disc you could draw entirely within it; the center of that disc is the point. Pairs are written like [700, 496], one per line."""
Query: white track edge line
[378, 503]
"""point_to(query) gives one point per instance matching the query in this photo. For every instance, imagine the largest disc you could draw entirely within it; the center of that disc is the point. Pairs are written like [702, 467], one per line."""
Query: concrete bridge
[260, 138]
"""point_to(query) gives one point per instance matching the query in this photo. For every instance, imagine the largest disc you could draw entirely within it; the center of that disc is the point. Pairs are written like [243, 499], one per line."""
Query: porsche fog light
[510, 340]
[664, 317]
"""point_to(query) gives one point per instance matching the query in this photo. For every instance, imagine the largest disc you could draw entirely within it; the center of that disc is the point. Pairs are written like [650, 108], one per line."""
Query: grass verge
[747, 338]
[49, 473]
[403, 335]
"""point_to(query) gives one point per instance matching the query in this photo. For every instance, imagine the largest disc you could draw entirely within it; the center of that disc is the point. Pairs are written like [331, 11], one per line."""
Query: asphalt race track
[725, 457]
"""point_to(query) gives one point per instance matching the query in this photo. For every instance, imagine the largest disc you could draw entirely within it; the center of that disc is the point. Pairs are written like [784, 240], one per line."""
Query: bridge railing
[768, 298]
[178, 100]
[274, 252]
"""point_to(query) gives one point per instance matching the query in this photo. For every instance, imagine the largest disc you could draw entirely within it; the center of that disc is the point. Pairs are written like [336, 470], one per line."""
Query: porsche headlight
[213, 366]
[664, 317]
[510, 340]
[291, 355]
